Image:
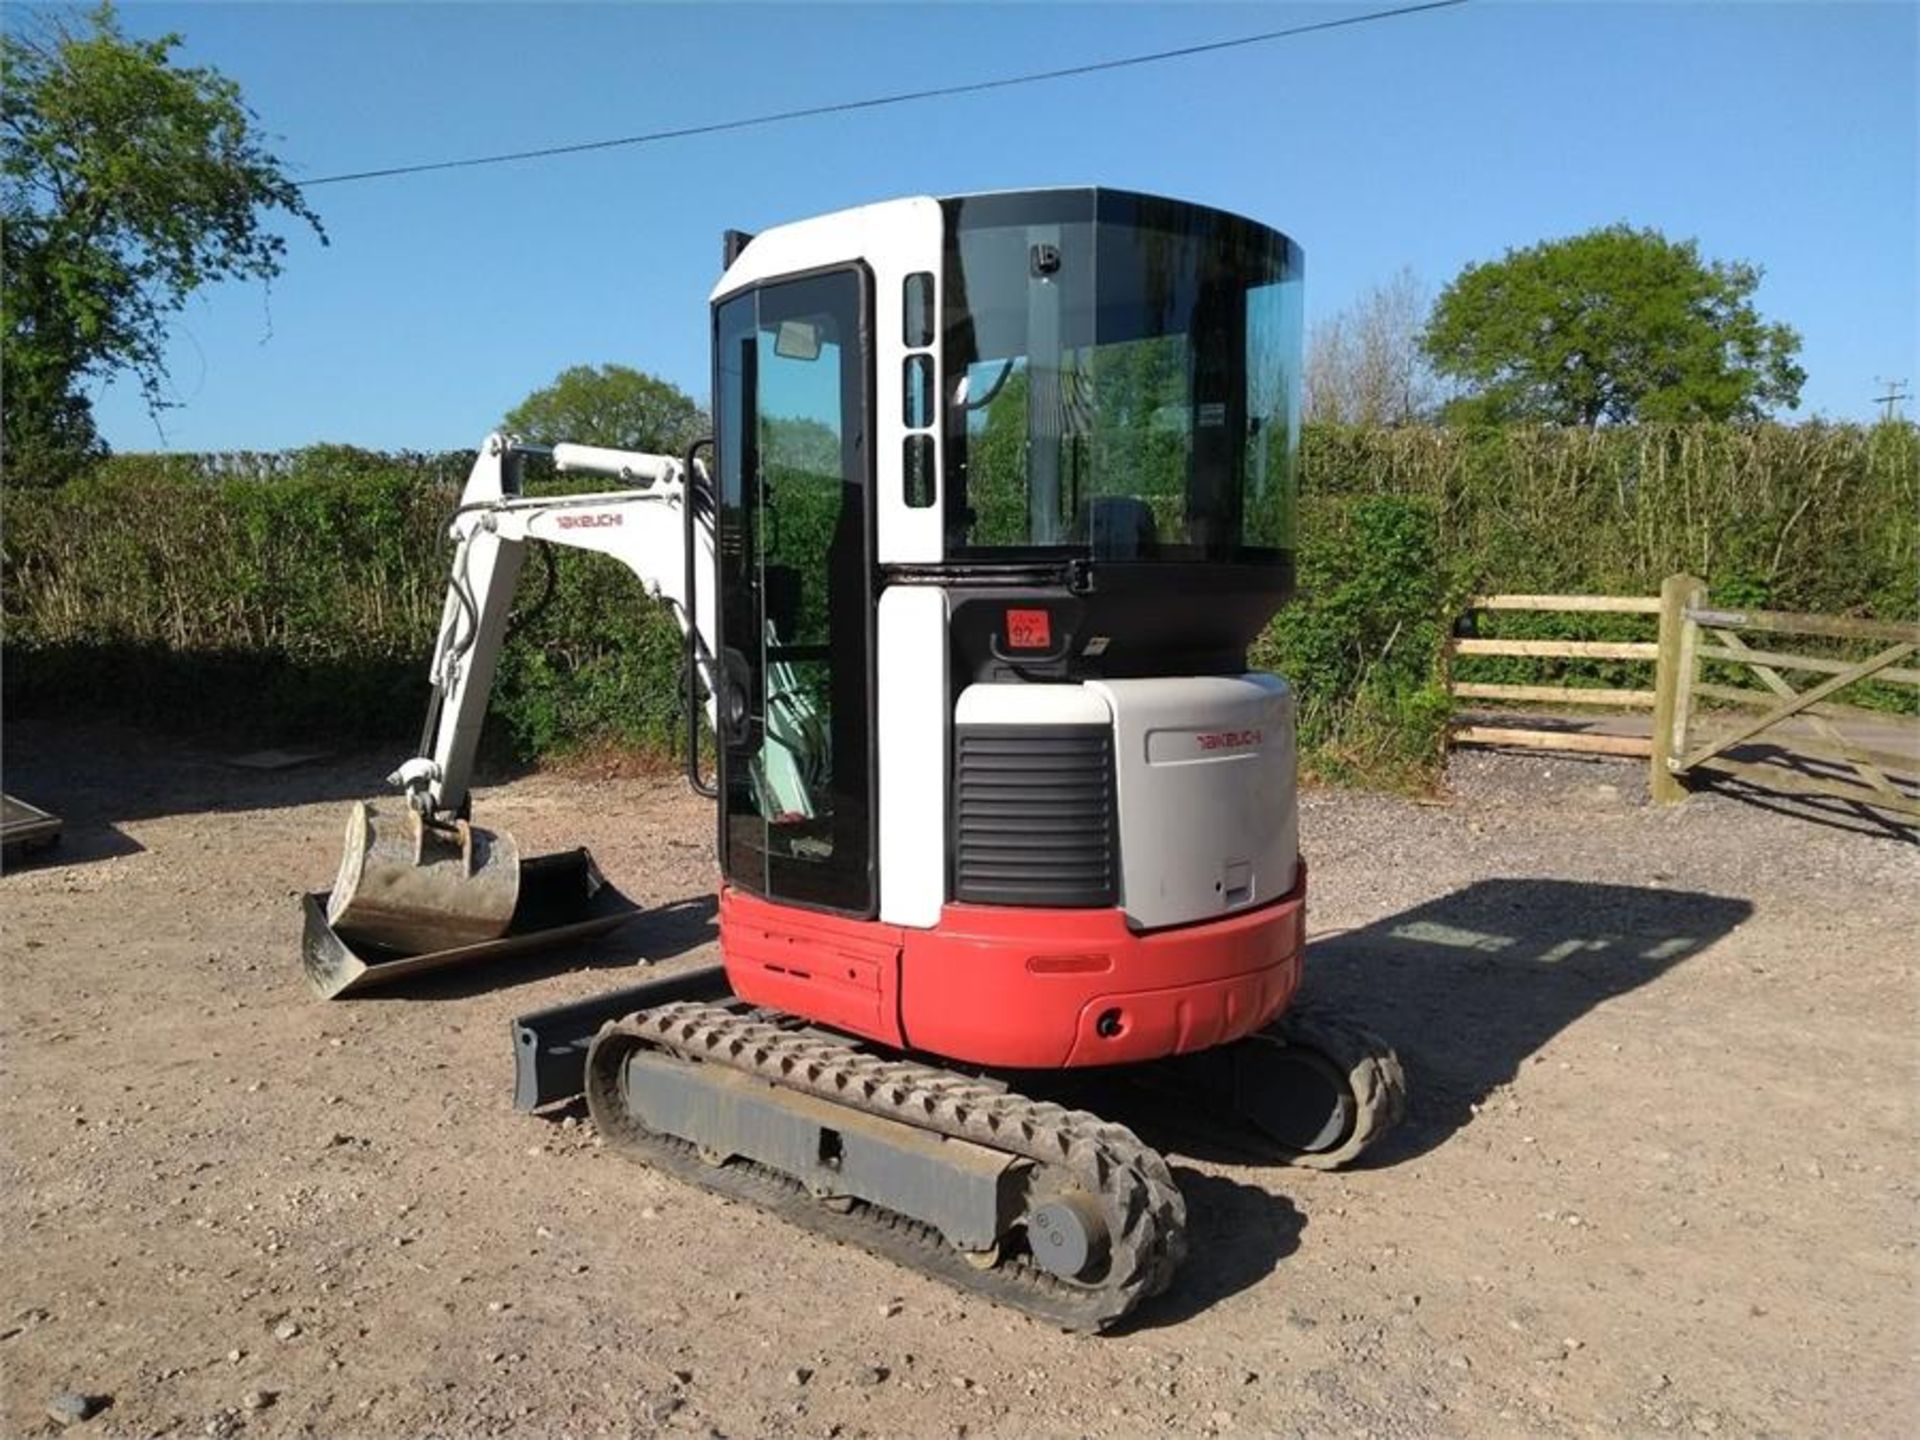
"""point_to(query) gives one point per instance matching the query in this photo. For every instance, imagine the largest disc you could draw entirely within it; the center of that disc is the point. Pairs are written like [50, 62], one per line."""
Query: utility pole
[1896, 395]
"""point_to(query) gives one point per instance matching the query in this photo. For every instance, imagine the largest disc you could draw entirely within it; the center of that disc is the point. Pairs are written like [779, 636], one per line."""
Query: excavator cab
[1031, 457]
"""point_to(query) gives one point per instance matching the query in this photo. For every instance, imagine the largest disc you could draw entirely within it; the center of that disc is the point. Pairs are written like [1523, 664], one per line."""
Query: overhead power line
[875, 102]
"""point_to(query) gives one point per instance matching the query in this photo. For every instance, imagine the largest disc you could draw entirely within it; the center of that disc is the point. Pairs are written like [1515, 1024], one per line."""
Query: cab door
[793, 429]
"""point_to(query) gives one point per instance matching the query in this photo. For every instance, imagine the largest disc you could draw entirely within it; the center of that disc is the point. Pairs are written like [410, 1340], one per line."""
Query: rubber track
[1373, 1073]
[1146, 1214]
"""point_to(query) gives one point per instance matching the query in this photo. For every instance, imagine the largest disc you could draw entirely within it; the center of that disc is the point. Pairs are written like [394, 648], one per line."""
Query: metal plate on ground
[563, 898]
[25, 828]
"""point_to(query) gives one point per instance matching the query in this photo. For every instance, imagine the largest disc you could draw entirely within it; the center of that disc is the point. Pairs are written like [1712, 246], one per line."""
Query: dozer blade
[550, 1046]
[562, 898]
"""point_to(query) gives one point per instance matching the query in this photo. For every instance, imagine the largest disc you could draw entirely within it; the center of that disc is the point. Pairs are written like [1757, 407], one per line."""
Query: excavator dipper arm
[644, 527]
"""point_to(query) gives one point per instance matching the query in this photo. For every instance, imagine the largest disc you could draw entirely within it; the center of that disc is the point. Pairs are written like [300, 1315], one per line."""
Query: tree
[613, 405]
[1613, 326]
[1365, 365]
[129, 183]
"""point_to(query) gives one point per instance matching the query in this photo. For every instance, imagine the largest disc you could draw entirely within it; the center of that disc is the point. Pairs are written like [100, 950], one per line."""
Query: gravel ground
[1660, 1174]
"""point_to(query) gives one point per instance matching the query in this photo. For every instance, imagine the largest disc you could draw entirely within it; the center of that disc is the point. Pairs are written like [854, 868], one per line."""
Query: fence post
[1673, 684]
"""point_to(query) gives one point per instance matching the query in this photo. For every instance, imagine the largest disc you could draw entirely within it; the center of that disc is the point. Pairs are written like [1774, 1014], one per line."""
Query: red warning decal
[1029, 630]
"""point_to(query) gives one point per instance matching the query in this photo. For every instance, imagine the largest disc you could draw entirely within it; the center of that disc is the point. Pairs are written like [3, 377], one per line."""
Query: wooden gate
[1776, 733]
[1825, 747]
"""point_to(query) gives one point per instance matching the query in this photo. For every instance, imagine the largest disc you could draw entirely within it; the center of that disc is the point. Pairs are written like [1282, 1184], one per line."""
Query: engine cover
[1205, 774]
[1195, 819]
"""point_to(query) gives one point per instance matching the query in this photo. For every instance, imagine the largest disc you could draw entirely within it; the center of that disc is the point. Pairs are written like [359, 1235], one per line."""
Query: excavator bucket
[412, 884]
[414, 897]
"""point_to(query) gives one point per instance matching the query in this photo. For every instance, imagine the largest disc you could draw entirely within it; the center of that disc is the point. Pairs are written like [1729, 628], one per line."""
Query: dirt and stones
[1660, 1176]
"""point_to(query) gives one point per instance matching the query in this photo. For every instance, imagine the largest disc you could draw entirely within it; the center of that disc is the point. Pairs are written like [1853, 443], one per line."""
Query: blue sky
[1779, 133]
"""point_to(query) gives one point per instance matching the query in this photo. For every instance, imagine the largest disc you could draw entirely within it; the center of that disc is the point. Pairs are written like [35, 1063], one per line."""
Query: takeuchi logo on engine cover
[591, 522]
[1227, 739]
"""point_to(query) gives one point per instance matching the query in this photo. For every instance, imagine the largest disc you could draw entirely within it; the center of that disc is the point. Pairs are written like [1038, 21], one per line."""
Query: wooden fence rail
[1536, 737]
[1689, 742]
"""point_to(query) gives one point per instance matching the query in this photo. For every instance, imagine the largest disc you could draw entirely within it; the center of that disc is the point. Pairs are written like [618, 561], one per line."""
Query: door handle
[734, 702]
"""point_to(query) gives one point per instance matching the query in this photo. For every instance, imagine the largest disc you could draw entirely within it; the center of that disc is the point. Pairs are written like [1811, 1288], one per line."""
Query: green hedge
[295, 596]
[1814, 517]
[1809, 517]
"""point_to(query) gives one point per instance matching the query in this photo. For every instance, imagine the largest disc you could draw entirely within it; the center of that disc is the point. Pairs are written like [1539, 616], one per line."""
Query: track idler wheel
[1067, 1235]
[416, 885]
[1319, 1090]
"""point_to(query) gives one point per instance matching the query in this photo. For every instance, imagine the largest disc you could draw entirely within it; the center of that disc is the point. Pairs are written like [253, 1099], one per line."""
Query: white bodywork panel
[913, 737]
[1204, 769]
[894, 240]
[1031, 705]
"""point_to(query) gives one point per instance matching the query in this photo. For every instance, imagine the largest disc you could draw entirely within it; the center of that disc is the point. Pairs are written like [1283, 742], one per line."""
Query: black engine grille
[1035, 820]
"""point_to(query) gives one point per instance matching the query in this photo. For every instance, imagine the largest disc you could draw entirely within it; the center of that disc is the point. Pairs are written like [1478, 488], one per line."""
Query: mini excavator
[999, 494]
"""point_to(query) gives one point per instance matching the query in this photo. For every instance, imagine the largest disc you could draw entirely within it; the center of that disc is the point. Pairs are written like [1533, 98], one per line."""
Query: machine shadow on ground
[1465, 987]
[1468, 985]
[76, 845]
[1237, 1235]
